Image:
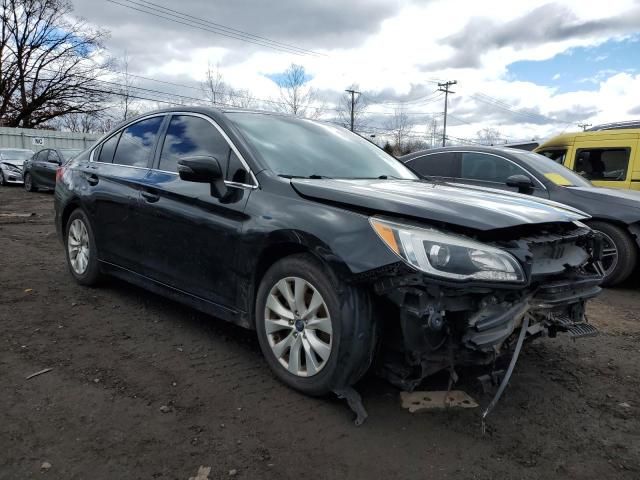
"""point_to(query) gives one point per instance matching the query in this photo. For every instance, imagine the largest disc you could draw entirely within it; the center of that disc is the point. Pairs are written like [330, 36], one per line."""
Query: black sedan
[40, 170]
[333, 251]
[615, 213]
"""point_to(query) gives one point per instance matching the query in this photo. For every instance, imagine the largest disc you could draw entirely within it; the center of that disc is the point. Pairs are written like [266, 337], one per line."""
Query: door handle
[150, 196]
[92, 179]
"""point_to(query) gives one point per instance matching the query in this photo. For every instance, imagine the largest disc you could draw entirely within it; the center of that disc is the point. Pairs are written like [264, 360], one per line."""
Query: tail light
[59, 173]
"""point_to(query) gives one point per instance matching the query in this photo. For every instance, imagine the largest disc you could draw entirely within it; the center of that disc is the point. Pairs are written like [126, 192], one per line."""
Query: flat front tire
[80, 248]
[316, 332]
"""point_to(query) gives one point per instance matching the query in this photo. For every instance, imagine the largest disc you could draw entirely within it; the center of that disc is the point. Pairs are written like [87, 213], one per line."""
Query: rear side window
[188, 136]
[609, 164]
[108, 149]
[43, 155]
[558, 155]
[488, 168]
[436, 165]
[137, 141]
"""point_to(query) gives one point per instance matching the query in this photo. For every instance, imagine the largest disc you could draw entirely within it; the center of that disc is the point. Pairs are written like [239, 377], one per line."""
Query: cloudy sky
[527, 68]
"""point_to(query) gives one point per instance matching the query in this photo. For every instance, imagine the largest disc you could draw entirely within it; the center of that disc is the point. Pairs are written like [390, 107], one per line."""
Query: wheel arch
[283, 245]
[633, 229]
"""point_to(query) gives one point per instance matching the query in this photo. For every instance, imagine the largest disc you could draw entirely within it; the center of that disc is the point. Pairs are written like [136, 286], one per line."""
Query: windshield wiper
[313, 176]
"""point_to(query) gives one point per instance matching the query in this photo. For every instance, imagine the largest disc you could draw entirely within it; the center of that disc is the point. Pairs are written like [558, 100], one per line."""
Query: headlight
[13, 168]
[448, 256]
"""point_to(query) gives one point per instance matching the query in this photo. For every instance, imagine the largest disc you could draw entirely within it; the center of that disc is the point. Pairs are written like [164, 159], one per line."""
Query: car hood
[610, 202]
[15, 163]
[477, 208]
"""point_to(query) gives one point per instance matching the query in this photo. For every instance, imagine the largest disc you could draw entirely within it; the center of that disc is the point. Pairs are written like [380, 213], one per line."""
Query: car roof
[504, 151]
[567, 139]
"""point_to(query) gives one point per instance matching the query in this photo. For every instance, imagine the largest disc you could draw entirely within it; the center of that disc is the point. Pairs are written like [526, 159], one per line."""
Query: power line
[232, 30]
[510, 108]
[202, 25]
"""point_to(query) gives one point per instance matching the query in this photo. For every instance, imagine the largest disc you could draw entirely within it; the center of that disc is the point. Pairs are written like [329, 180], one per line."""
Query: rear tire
[627, 252]
[345, 311]
[29, 185]
[80, 248]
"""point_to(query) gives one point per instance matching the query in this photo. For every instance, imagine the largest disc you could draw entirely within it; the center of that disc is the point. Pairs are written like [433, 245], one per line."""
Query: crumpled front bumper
[11, 175]
[447, 324]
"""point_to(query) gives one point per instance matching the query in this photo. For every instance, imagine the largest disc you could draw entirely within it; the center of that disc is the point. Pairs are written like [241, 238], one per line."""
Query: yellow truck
[609, 156]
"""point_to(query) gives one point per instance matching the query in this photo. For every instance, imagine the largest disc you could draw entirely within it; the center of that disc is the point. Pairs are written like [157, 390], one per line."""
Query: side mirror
[203, 169]
[521, 182]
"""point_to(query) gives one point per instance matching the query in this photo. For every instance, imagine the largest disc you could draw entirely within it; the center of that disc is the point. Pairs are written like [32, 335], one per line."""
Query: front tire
[2, 182]
[620, 253]
[80, 247]
[29, 185]
[316, 332]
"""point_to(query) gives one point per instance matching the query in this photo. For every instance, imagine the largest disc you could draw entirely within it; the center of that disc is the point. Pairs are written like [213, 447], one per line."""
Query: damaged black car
[335, 253]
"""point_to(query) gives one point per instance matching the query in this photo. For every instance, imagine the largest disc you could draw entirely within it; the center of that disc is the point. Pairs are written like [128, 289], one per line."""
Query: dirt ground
[142, 387]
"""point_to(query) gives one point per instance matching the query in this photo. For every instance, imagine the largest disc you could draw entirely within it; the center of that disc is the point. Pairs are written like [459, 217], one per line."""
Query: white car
[11, 160]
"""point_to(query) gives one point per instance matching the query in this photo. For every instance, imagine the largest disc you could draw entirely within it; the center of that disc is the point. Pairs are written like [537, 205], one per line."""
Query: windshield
[15, 154]
[305, 148]
[553, 171]
[68, 154]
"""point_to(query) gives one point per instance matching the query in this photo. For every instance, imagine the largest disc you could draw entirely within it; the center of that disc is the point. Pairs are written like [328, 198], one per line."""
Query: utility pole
[444, 87]
[353, 104]
[584, 126]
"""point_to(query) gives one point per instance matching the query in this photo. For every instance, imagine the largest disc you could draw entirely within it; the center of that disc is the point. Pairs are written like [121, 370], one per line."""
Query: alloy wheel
[78, 246]
[609, 253]
[27, 182]
[298, 326]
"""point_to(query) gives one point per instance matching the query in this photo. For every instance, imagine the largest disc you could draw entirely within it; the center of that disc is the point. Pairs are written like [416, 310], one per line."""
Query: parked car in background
[323, 244]
[615, 213]
[608, 156]
[40, 170]
[11, 160]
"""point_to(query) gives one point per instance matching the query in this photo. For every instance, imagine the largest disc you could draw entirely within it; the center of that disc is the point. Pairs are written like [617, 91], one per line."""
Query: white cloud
[390, 51]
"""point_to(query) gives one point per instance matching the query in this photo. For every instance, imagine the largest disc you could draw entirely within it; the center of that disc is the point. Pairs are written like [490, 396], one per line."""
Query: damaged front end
[450, 322]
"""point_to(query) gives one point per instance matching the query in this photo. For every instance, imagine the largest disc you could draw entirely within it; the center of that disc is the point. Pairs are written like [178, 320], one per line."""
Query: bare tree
[128, 102]
[434, 133]
[296, 97]
[241, 98]
[47, 63]
[359, 109]
[488, 136]
[215, 89]
[400, 126]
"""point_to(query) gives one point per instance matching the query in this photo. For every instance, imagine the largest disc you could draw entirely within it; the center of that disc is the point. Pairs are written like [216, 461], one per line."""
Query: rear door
[189, 237]
[113, 178]
[439, 165]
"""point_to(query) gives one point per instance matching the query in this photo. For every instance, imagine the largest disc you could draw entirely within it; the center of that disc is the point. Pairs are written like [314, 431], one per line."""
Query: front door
[189, 236]
[38, 167]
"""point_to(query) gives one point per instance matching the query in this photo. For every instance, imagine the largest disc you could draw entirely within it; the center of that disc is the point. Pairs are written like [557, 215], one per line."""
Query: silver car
[11, 160]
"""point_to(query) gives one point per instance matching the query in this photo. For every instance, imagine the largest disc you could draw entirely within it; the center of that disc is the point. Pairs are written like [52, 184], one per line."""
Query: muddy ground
[142, 387]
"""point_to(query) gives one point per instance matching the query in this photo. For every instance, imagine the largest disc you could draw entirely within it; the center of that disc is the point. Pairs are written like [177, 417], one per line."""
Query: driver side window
[488, 168]
[188, 136]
